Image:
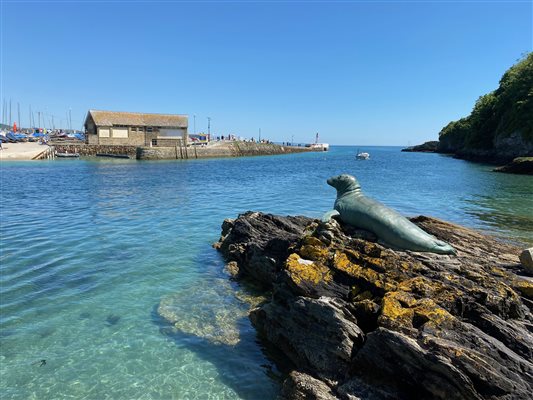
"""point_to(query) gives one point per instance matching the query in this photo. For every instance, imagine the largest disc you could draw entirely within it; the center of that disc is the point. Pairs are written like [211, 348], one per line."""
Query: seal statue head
[344, 183]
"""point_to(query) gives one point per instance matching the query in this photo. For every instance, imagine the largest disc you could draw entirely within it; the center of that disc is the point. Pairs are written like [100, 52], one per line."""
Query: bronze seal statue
[392, 229]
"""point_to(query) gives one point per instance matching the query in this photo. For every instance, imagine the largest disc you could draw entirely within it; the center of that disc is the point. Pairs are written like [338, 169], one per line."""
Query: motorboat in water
[362, 155]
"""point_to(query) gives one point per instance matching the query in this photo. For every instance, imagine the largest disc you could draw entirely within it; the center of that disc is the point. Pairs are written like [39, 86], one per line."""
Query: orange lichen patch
[364, 260]
[428, 310]
[419, 285]
[443, 295]
[313, 249]
[393, 313]
[525, 287]
[342, 263]
[401, 310]
[301, 270]
[498, 272]
[372, 250]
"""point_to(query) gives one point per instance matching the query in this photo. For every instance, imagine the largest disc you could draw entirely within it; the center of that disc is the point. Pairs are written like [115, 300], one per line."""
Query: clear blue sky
[357, 72]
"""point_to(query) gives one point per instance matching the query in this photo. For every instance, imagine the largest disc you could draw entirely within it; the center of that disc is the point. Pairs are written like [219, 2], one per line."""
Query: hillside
[500, 127]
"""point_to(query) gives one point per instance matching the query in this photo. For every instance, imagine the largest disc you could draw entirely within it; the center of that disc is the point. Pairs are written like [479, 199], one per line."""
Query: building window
[120, 132]
[103, 132]
[149, 129]
[154, 142]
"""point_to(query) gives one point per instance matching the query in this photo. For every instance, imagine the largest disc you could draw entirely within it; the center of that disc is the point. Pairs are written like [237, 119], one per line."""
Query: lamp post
[209, 126]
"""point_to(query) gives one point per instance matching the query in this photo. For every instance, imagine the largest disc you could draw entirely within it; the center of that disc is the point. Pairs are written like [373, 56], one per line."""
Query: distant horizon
[392, 73]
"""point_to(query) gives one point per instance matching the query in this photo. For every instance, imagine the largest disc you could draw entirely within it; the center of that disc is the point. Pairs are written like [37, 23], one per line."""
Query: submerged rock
[211, 311]
[358, 320]
[519, 165]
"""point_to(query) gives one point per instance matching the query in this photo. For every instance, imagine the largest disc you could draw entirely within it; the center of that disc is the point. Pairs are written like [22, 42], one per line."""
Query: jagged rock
[526, 258]
[314, 333]
[373, 323]
[519, 165]
[259, 243]
[300, 386]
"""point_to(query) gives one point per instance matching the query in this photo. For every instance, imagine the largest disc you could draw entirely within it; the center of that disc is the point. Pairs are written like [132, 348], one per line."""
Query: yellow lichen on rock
[342, 263]
[402, 310]
[313, 249]
[428, 310]
[393, 314]
[301, 270]
[525, 287]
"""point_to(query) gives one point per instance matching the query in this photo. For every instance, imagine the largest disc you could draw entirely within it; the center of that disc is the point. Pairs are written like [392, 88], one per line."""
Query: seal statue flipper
[389, 226]
[330, 214]
[444, 248]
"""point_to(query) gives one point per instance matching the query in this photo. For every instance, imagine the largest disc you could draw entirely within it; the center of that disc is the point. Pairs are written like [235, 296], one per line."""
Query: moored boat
[362, 155]
[112, 155]
[67, 155]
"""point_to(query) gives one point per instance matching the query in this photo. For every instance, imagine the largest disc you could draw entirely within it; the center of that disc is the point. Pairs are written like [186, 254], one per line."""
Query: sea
[110, 287]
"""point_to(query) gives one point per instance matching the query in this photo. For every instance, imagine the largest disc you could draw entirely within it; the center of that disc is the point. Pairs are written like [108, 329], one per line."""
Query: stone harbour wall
[92, 149]
[224, 149]
[229, 149]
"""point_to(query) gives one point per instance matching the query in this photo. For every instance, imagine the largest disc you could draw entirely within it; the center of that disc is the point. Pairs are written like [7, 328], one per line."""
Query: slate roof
[110, 118]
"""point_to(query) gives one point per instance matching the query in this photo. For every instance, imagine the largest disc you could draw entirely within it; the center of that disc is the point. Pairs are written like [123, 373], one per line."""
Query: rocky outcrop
[520, 165]
[357, 320]
[260, 243]
[427, 147]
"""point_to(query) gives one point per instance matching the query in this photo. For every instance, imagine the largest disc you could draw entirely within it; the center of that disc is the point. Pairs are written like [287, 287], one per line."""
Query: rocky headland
[354, 320]
[426, 147]
[500, 127]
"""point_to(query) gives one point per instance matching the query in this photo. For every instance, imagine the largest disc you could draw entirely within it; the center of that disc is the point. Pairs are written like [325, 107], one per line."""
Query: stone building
[135, 129]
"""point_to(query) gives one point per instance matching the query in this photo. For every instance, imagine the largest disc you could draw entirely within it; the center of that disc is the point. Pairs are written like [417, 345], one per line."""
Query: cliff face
[358, 320]
[500, 126]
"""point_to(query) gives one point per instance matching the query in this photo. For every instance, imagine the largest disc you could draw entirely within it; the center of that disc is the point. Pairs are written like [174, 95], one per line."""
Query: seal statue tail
[441, 247]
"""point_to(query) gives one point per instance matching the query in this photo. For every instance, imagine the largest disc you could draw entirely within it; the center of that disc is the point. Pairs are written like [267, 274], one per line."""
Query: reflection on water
[92, 248]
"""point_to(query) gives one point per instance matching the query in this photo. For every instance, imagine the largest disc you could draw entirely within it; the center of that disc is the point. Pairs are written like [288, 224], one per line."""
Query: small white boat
[362, 155]
[67, 155]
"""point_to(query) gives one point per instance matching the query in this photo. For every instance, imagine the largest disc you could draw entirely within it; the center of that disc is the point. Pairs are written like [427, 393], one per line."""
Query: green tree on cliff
[507, 110]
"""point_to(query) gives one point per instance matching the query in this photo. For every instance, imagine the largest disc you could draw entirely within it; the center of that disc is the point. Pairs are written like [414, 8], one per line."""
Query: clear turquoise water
[89, 248]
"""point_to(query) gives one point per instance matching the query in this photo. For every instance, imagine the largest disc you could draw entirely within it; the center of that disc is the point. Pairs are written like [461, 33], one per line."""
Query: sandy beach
[21, 151]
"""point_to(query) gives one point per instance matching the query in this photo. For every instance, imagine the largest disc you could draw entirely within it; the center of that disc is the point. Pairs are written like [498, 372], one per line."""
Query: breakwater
[224, 149]
[213, 150]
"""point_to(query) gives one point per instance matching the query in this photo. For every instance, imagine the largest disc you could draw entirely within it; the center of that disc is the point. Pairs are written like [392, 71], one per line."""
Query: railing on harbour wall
[47, 154]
